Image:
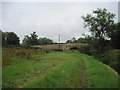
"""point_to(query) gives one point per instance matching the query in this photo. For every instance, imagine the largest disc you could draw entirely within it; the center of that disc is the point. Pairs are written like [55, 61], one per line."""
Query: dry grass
[9, 53]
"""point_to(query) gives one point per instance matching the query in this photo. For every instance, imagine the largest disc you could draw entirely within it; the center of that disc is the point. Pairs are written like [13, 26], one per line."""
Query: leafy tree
[26, 41]
[73, 40]
[43, 41]
[34, 39]
[82, 40]
[68, 41]
[30, 40]
[99, 24]
[115, 36]
[4, 42]
[0, 37]
[10, 38]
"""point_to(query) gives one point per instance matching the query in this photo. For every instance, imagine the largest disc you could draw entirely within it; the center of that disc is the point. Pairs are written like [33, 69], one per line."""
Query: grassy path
[83, 79]
[59, 70]
[63, 75]
[100, 76]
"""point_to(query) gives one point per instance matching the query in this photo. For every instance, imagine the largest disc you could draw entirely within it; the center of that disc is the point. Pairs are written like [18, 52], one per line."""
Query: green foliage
[79, 40]
[64, 75]
[4, 43]
[30, 40]
[99, 23]
[85, 49]
[105, 34]
[33, 40]
[44, 41]
[115, 36]
[26, 41]
[9, 53]
[111, 58]
[58, 70]
[99, 75]
[82, 40]
[9, 38]
[73, 40]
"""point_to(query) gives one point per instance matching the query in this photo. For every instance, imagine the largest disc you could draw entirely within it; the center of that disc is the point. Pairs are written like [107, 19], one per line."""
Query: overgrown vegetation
[9, 38]
[104, 37]
[68, 69]
[9, 53]
[30, 65]
[96, 69]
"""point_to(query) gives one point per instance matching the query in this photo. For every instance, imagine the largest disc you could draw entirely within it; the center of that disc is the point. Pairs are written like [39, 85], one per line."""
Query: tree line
[11, 39]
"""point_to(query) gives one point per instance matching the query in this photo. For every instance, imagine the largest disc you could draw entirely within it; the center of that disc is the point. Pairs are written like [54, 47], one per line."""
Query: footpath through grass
[58, 70]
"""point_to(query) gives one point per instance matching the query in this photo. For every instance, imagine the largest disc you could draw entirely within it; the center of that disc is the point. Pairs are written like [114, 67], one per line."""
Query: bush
[111, 58]
[74, 48]
[85, 49]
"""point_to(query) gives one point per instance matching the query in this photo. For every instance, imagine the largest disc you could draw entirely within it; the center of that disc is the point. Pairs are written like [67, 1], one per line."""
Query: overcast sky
[50, 19]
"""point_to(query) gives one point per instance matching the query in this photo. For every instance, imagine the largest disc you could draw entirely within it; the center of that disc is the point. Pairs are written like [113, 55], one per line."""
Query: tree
[115, 36]
[73, 40]
[26, 41]
[82, 40]
[30, 40]
[68, 41]
[0, 37]
[4, 42]
[99, 24]
[43, 41]
[34, 39]
[10, 38]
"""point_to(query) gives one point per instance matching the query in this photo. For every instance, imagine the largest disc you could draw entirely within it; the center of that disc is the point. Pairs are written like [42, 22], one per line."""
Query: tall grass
[9, 53]
[111, 58]
[99, 75]
[68, 69]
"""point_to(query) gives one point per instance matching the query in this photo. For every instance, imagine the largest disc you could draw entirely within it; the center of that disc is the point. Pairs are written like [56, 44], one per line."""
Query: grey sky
[0, 14]
[50, 19]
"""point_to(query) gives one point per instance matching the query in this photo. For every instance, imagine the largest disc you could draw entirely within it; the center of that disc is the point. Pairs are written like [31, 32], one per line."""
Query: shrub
[74, 48]
[85, 49]
[111, 58]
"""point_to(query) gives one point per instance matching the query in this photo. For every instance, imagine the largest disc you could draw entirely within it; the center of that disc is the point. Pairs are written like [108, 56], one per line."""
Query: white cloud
[49, 19]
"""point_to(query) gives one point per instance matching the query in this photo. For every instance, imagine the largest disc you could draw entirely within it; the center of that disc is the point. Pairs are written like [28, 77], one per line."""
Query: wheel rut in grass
[35, 76]
[77, 72]
[83, 79]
